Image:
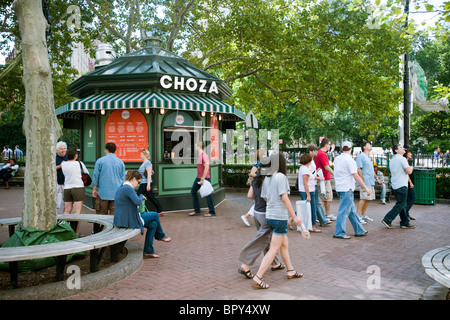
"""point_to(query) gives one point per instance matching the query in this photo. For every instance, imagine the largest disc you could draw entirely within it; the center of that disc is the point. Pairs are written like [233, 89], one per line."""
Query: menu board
[215, 151]
[128, 129]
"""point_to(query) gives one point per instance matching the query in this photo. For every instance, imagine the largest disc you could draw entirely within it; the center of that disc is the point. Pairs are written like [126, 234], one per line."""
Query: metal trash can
[425, 185]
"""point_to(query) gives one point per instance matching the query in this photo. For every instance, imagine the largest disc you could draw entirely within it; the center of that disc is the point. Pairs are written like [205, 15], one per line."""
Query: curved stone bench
[111, 236]
[437, 265]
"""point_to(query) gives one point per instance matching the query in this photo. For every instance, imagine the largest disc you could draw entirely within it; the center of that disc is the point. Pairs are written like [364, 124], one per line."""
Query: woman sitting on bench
[127, 214]
[8, 171]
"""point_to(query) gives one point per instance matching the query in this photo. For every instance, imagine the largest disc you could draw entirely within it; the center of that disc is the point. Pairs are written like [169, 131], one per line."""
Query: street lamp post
[406, 89]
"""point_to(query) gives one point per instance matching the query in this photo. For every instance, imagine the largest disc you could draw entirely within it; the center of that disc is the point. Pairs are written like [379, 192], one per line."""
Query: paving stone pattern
[201, 262]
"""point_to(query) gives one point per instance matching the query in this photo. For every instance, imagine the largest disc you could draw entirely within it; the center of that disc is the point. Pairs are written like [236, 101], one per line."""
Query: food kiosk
[153, 99]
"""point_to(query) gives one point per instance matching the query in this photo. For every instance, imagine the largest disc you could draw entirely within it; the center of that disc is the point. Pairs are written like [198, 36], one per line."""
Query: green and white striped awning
[142, 100]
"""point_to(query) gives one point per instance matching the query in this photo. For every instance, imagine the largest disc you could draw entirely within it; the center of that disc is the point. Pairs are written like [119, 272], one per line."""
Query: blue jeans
[313, 205]
[154, 230]
[410, 199]
[320, 212]
[195, 187]
[401, 194]
[347, 209]
[383, 190]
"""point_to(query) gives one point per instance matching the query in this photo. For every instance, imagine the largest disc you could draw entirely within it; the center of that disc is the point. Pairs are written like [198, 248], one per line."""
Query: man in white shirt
[345, 174]
[400, 170]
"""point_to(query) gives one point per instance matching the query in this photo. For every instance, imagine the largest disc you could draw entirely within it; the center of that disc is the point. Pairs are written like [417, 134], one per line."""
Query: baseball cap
[346, 145]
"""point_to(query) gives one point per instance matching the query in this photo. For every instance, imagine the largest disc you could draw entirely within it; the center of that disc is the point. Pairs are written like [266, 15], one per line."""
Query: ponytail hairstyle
[259, 179]
[146, 153]
[133, 174]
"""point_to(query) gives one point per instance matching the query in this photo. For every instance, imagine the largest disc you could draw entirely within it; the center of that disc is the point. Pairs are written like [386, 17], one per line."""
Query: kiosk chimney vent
[104, 55]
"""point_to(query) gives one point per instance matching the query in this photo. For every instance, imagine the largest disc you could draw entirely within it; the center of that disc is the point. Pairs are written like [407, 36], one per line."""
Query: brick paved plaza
[201, 262]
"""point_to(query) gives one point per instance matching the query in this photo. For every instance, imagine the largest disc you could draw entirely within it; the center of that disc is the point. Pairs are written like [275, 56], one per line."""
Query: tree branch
[138, 12]
[107, 24]
[130, 26]
[227, 60]
[270, 87]
[11, 66]
[177, 23]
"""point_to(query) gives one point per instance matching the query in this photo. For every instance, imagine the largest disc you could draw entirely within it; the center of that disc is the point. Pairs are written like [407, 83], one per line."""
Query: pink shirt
[201, 160]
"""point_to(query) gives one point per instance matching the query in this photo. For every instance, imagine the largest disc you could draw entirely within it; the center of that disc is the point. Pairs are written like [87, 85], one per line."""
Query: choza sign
[190, 84]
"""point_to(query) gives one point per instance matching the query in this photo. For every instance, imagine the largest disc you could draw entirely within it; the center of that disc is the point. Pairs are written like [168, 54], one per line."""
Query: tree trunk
[40, 125]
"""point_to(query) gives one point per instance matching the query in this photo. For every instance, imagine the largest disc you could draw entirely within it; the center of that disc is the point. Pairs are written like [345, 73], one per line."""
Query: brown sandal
[247, 273]
[296, 275]
[261, 285]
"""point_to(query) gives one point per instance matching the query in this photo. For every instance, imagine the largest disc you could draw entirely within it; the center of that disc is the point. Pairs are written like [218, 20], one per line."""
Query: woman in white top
[8, 171]
[307, 186]
[74, 193]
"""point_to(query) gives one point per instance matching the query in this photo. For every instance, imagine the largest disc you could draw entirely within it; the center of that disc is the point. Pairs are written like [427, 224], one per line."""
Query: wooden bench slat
[428, 257]
[116, 235]
[437, 276]
[110, 235]
[42, 251]
[9, 221]
[438, 260]
[436, 263]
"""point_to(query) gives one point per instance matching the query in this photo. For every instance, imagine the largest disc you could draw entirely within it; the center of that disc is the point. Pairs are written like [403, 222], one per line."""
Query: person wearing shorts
[367, 173]
[74, 192]
[275, 190]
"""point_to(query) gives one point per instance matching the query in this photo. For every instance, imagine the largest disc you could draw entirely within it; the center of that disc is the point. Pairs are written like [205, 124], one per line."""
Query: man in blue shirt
[18, 154]
[366, 171]
[109, 175]
[400, 170]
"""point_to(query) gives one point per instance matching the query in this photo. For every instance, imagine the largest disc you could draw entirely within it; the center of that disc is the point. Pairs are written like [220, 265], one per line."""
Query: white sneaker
[366, 218]
[383, 201]
[245, 220]
[331, 217]
[361, 220]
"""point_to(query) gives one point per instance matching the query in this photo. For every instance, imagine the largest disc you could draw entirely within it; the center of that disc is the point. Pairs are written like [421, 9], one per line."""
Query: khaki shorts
[363, 194]
[328, 191]
[74, 195]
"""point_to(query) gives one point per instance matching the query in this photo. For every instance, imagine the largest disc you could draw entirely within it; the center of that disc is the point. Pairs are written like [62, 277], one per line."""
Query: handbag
[85, 177]
[142, 207]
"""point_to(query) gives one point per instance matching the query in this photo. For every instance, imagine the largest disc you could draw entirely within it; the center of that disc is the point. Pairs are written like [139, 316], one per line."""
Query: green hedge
[442, 183]
[236, 176]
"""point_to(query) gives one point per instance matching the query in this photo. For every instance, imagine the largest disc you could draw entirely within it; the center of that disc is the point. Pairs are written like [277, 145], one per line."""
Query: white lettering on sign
[191, 84]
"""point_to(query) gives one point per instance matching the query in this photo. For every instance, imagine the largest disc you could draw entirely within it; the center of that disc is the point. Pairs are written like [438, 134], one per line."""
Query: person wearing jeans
[203, 173]
[347, 209]
[345, 174]
[380, 186]
[320, 212]
[127, 214]
[401, 195]
[154, 231]
[400, 170]
[307, 186]
[196, 202]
